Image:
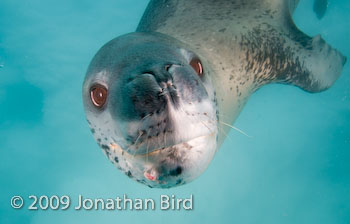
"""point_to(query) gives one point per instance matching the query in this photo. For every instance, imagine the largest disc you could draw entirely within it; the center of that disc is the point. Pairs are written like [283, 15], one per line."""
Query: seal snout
[161, 104]
[151, 92]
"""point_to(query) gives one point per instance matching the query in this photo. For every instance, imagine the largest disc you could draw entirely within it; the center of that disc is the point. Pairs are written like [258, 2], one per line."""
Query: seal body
[158, 101]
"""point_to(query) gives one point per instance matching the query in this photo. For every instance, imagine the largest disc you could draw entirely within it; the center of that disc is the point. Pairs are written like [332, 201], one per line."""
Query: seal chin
[171, 166]
[179, 164]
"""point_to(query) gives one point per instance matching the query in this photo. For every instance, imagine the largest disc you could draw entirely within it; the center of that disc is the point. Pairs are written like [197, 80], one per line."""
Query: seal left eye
[98, 95]
[197, 66]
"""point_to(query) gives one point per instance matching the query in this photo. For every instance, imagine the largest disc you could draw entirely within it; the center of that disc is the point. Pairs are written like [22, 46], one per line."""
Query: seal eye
[197, 66]
[98, 95]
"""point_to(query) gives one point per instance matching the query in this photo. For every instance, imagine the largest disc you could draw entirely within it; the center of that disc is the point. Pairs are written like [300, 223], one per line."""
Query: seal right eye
[98, 95]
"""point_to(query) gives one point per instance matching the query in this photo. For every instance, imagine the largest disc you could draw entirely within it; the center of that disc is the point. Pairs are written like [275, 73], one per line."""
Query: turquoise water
[294, 169]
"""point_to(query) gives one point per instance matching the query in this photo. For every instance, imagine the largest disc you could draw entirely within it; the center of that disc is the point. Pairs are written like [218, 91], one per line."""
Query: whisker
[194, 117]
[138, 137]
[141, 133]
[164, 138]
[237, 129]
[145, 117]
[147, 150]
[221, 130]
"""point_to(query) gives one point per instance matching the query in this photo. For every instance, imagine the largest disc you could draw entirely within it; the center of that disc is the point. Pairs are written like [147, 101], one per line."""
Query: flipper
[292, 57]
[320, 8]
[320, 64]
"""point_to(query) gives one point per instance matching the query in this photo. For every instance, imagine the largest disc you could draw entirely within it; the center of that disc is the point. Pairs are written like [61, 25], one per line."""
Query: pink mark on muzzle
[150, 176]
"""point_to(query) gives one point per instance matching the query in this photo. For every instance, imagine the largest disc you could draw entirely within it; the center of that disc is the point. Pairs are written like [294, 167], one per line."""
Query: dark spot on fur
[105, 147]
[129, 174]
[179, 181]
[176, 171]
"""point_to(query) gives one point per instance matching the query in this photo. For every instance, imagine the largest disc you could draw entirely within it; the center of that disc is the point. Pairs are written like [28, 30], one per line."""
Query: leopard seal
[159, 100]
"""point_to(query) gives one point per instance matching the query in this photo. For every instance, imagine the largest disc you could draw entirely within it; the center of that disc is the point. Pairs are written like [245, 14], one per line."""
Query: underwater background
[294, 169]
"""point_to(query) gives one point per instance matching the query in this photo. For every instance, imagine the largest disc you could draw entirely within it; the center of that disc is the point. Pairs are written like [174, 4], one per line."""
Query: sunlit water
[294, 169]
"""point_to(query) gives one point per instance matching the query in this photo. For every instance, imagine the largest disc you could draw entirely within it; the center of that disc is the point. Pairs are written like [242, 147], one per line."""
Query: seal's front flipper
[291, 57]
[320, 8]
[320, 65]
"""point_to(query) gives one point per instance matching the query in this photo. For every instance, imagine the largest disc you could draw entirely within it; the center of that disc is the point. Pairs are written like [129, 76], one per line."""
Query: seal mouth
[178, 144]
[157, 150]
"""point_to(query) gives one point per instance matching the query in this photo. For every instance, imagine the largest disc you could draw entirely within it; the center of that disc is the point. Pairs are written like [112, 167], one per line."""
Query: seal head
[152, 108]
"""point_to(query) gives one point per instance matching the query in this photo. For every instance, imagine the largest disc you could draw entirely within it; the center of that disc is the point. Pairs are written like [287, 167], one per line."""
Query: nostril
[142, 115]
[167, 67]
